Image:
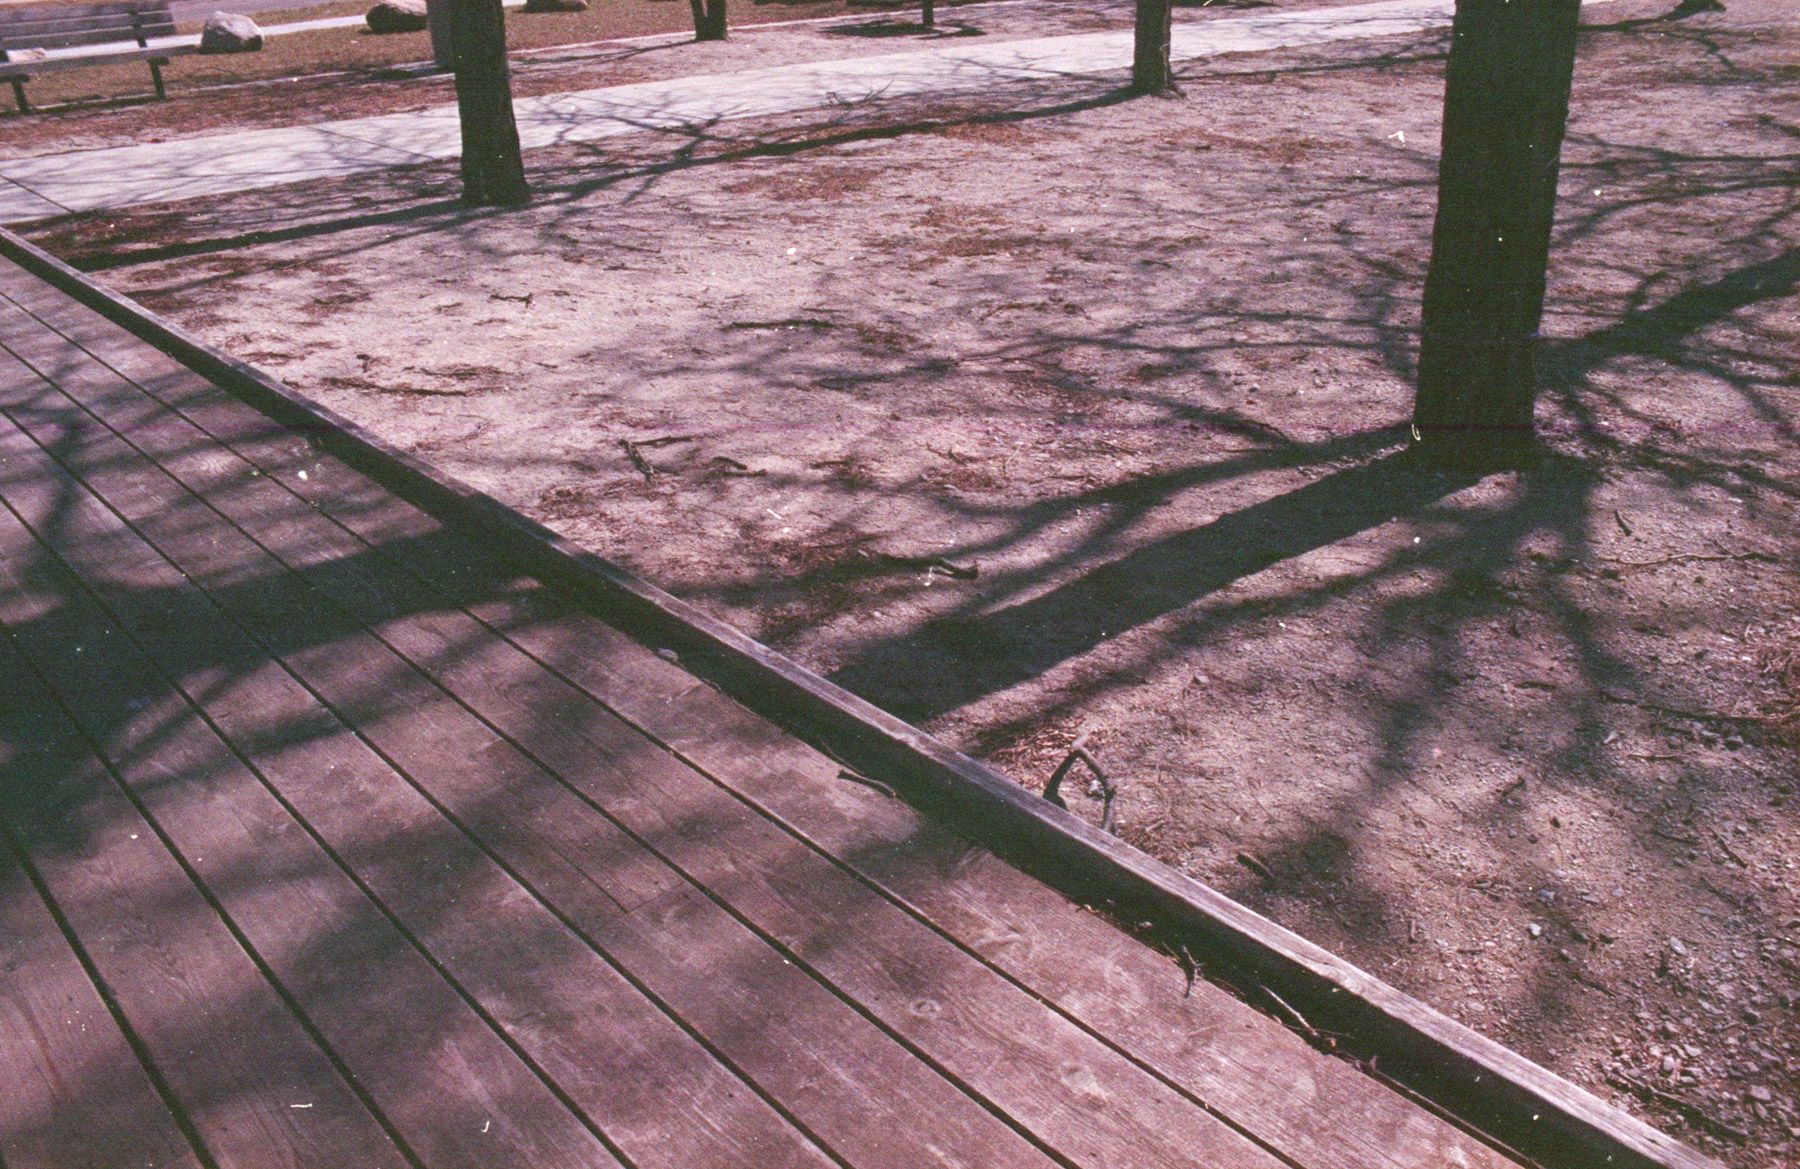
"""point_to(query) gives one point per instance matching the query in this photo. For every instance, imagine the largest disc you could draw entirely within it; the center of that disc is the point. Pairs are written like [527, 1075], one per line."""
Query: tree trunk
[928, 13]
[438, 20]
[1506, 103]
[1150, 71]
[709, 19]
[493, 173]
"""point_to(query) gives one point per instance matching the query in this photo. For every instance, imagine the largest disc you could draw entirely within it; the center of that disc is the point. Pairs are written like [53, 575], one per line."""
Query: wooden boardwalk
[328, 840]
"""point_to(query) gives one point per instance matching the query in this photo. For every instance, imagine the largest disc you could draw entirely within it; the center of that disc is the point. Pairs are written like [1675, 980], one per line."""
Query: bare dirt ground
[1525, 746]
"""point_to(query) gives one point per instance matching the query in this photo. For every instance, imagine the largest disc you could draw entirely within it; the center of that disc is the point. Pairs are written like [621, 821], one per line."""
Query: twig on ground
[1078, 752]
[1256, 866]
[782, 323]
[1683, 558]
[638, 460]
[930, 563]
[1325, 1041]
[730, 466]
[872, 784]
[1699, 716]
[1190, 967]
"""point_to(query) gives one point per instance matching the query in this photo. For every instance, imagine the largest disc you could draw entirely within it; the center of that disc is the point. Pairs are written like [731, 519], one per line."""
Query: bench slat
[36, 27]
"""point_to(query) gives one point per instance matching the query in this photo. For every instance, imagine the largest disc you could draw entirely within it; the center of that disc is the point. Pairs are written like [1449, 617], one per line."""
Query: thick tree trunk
[493, 172]
[709, 19]
[1506, 103]
[1150, 71]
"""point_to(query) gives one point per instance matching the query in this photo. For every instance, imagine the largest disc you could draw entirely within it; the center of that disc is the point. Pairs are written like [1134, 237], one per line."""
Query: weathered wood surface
[520, 890]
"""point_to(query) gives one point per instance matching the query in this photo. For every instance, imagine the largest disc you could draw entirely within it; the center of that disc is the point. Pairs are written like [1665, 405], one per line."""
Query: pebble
[1761, 1094]
[1535, 930]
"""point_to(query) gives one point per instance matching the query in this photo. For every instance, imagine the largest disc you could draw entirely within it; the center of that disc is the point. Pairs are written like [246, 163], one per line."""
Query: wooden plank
[1079, 1096]
[825, 1062]
[1203, 1040]
[1526, 1105]
[660, 1095]
[421, 1052]
[180, 979]
[76, 1092]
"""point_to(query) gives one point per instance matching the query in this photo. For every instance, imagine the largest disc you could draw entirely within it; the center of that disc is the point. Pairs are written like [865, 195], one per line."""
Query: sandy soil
[1523, 746]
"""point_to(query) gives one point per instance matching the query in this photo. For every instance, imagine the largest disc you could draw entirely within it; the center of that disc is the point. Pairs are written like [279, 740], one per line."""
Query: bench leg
[18, 84]
[156, 65]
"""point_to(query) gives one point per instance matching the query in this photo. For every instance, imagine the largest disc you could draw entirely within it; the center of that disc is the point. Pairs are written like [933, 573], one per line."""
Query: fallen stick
[1700, 716]
[956, 571]
[1685, 557]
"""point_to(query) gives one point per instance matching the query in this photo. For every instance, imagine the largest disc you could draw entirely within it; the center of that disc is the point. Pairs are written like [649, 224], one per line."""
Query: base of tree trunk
[1506, 106]
[493, 172]
[1477, 452]
[709, 20]
[1151, 73]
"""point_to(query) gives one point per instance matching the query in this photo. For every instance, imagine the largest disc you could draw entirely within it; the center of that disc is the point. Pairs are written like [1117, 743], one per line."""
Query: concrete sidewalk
[220, 164]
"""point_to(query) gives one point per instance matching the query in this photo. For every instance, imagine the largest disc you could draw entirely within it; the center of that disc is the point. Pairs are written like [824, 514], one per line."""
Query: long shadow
[449, 213]
[1022, 640]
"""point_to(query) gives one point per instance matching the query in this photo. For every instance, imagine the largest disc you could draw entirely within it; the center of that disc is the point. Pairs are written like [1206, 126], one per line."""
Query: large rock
[397, 16]
[228, 32]
[555, 6]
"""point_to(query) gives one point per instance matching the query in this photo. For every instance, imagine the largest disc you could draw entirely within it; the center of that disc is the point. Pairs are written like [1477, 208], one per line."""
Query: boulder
[397, 16]
[555, 6]
[228, 32]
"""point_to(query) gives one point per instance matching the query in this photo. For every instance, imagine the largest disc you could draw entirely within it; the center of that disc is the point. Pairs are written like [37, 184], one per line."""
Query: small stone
[1760, 1094]
[397, 16]
[1535, 930]
[1676, 947]
[229, 32]
[1752, 1015]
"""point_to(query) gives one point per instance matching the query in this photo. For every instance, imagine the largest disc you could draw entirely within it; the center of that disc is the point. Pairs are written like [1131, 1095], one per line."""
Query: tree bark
[1150, 71]
[493, 172]
[928, 13]
[1506, 104]
[438, 20]
[709, 19]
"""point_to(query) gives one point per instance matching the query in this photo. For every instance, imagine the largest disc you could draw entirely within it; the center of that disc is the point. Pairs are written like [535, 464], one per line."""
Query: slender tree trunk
[928, 13]
[1150, 71]
[493, 172]
[1506, 103]
[709, 19]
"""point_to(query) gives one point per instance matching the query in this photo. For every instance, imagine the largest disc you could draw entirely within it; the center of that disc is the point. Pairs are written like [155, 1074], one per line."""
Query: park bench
[101, 25]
